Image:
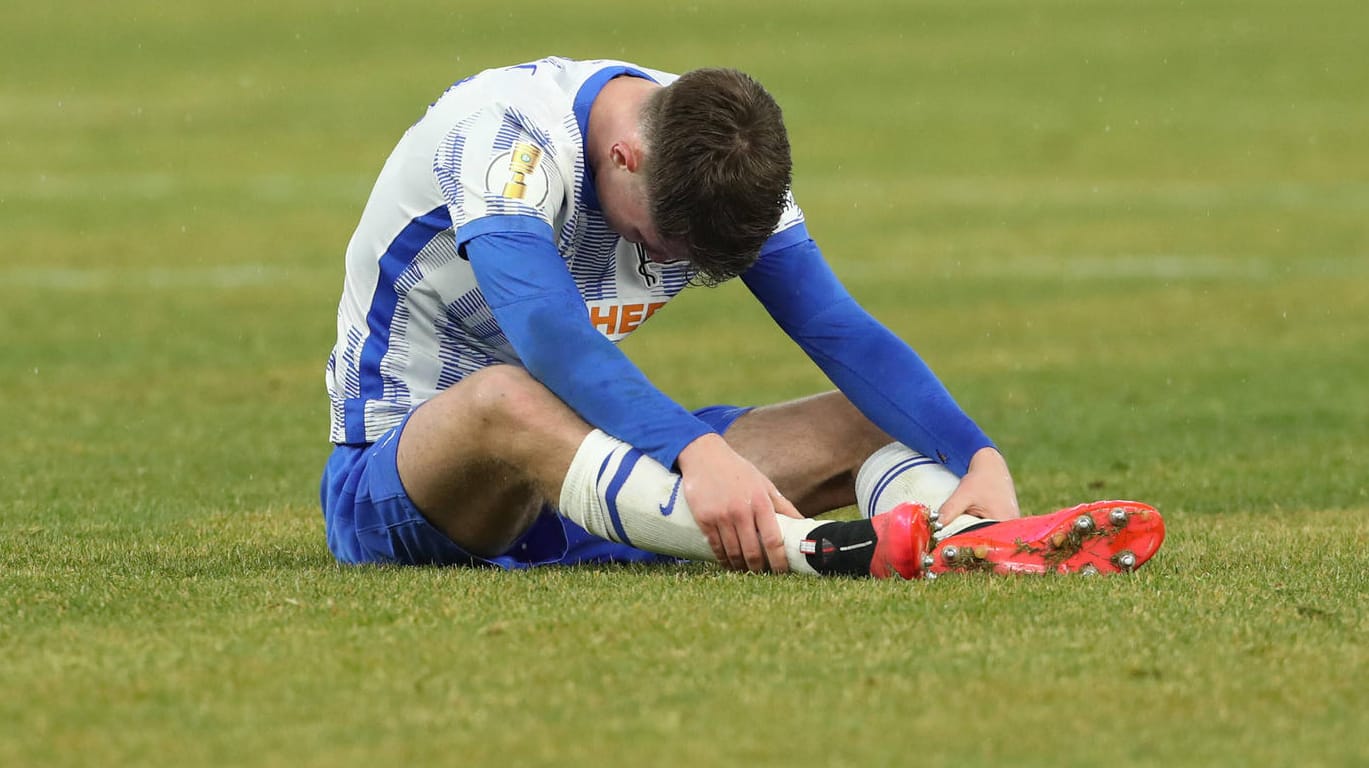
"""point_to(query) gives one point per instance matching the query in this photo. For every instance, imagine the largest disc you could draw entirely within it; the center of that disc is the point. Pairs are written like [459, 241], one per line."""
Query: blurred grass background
[1131, 237]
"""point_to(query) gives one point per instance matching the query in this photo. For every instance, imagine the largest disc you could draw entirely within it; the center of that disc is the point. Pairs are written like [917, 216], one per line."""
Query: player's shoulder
[578, 71]
[552, 75]
[547, 91]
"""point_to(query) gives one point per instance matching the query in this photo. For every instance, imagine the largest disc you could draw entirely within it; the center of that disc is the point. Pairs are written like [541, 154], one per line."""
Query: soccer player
[482, 413]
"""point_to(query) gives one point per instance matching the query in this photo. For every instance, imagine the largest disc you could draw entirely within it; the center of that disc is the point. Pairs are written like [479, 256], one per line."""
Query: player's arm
[504, 227]
[503, 203]
[537, 305]
[540, 310]
[880, 373]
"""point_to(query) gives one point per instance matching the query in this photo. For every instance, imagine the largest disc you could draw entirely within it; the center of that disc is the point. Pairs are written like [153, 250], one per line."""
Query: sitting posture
[483, 414]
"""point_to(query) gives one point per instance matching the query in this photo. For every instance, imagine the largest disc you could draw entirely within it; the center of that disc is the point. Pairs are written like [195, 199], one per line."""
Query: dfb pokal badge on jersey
[517, 173]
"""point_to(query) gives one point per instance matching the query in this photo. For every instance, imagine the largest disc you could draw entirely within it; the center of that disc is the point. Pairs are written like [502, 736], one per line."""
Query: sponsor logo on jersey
[616, 320]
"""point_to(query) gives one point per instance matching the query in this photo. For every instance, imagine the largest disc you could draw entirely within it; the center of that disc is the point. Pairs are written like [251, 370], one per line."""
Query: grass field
[1133, 238]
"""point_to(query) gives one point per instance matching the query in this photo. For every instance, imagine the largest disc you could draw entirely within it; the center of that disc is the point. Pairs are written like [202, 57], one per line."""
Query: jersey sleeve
[499, 172]
[535, 301]
[883, 376]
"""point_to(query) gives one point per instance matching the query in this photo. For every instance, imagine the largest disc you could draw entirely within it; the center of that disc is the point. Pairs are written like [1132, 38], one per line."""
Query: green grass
[1130, 237]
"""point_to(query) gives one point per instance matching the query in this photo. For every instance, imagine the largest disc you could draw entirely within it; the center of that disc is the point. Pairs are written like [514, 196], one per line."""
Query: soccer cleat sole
[1094, 538]
[904, 535]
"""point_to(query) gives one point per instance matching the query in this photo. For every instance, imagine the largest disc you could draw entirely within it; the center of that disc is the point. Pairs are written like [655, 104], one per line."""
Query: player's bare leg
[471, 461]
[482, 458]
[810, 448]
[825, 455]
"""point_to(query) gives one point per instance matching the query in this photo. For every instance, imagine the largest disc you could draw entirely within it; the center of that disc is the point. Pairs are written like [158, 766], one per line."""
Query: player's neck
[615, 115]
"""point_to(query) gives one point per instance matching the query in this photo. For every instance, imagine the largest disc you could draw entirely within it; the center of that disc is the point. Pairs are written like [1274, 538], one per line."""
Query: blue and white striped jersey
[500, 151]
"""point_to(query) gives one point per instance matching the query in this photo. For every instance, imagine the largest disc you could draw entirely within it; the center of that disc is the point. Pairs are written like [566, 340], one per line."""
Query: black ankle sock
[843, 548]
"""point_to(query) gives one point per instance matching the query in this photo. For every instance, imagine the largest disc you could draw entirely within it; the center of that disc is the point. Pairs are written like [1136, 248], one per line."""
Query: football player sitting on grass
[483, 414]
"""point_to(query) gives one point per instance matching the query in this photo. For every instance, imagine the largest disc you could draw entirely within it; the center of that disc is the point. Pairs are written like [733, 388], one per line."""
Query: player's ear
[626, 155]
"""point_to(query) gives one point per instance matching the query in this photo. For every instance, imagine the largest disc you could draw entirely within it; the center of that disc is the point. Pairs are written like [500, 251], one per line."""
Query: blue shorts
[369, 517]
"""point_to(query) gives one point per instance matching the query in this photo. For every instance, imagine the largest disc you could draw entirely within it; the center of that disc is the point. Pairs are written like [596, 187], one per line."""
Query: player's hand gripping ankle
[985, 491]
[734, 505]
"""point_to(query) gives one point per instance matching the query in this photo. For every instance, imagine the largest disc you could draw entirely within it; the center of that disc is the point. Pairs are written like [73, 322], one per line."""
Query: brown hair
[718, 168]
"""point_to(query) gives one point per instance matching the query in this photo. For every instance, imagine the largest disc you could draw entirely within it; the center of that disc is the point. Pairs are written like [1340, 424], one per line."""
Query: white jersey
[499, 151]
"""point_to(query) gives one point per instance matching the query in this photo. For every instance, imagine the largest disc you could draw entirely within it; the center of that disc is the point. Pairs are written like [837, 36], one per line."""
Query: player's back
[411, 320]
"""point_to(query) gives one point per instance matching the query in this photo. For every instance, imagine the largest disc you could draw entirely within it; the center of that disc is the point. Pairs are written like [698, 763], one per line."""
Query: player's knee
[508, 398]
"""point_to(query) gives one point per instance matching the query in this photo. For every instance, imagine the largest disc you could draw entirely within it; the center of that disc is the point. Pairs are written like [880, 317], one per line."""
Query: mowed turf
[1130, 237]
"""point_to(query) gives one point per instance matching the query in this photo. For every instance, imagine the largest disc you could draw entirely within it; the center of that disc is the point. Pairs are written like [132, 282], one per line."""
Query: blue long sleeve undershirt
[535, 301]
[537, 305]
[881, 375]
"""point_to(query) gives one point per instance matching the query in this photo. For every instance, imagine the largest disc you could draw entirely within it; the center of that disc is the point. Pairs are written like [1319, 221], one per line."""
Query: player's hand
[734, 505]
[985, 491]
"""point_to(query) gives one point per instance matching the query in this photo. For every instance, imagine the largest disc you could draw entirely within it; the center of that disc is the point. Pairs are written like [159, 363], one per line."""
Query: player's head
[717, 168]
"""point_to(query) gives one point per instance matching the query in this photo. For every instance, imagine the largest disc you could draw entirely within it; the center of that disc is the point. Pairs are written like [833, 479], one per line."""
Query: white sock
[896, 474]
[616, 492]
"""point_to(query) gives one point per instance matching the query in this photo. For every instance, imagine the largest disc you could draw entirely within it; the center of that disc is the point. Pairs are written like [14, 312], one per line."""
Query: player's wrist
[700, 449]
[988, 458]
